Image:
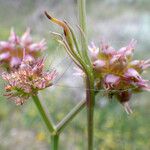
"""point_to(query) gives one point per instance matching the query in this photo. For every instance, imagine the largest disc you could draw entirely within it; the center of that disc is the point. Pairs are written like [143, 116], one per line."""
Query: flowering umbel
[11, 51]
[117, 73]
[27, 80]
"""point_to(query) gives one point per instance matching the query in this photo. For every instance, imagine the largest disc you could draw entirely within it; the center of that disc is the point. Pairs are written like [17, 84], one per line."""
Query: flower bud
[98, 65]
[26, 38]
[123, 98]
[13, 38]
[94, 51]
[111, 81]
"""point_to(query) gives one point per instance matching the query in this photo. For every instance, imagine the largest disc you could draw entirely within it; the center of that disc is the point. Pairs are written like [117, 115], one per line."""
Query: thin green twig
[70, 116]
[48, 122]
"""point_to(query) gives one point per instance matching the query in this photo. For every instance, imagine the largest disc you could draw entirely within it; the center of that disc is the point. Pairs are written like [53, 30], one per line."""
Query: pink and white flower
[117, 73]
[27, 80]
[11, 51]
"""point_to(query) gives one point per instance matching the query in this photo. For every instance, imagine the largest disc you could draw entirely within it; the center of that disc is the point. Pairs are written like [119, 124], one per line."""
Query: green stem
[54, 141]
[82, 22]
[82, 15]
[44, 115]
[70, 116]
[90, 97]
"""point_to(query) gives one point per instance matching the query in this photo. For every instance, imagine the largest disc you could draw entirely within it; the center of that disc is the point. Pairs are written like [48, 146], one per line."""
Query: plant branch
[70, 116]
[50, 126]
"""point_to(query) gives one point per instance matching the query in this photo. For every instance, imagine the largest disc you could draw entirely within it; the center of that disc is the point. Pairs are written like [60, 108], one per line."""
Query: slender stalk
[70, 116]
[82, 22]
[90, 97]
[82, 14]
[54, 141]
[43, 114]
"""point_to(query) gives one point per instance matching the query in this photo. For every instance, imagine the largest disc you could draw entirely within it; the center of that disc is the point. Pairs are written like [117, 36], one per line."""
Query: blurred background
[116, 21]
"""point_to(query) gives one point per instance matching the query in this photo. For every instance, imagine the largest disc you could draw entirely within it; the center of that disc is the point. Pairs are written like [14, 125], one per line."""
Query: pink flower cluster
[118, 74]
[27, 80]
[11, 51]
